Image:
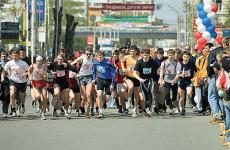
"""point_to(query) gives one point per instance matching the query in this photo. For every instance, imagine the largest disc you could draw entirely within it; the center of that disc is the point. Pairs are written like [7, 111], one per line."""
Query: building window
[219, 7]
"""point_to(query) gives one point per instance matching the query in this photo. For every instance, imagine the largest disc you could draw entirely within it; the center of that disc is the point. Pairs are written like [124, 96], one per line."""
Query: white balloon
[198, 21]
[207, 1]
[211, 15]
[206, 35]
[207, 8]
[213, 22]
[212, 40]
[201, 28]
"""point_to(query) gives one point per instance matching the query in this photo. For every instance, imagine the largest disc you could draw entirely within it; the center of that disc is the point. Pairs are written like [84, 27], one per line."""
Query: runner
[169, 76]
[37, 75]
[105, 74]
[188, 69]
[5, 85]
[61, 86]
[85, 77]
[128, 65]
[17, 70]
[74, 90]
[121, 87]
[146, 72]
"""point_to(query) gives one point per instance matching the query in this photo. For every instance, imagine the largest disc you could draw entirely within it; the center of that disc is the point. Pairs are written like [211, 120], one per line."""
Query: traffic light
[10, 31]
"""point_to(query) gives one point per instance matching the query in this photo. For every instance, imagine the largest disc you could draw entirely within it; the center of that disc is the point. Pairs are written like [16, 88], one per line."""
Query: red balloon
[219, 39]
[215, 8]
[202, 41]
[198, 35]
[200, 47]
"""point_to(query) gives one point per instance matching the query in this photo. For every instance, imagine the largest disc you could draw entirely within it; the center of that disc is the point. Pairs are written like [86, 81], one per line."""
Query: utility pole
[186, 22]
[56, 35]
[87, 12]
[33, 26]
[27, 27]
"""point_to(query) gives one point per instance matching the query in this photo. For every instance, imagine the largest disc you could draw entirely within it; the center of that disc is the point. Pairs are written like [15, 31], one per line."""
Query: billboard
[40, 9]
[117, 7]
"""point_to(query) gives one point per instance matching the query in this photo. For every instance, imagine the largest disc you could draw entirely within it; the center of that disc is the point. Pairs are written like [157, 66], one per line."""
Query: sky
[166, 13]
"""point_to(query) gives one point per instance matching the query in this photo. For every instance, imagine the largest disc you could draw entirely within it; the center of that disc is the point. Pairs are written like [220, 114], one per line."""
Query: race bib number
[131, 68]
[60, 73]
[121, 72]
[187, 73]
[101, 69]
[147, 70]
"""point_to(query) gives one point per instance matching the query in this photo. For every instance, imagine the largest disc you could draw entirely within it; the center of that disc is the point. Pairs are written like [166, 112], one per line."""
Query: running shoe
[34, 103]
[62, 113]
[43, 116]
[5, 115]
[172, 112]
[78, 113]
[22, 109]
[55, 113]
[14, 114]
[182, 112]
[101, 115]
[148, 113]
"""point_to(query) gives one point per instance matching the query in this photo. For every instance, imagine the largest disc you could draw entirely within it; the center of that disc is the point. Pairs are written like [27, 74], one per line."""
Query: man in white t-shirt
[17, 71]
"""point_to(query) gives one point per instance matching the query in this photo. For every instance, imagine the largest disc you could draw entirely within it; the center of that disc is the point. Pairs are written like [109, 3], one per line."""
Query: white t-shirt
[17, 70]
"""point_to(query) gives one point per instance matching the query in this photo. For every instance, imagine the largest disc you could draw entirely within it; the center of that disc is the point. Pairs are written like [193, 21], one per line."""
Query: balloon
[214, 34]
[219, 39]
[202, 14]
[201, 28]
[212, 40]
[213, 22]
[211, 29]
[207, 1]
[215, 8]
[206, 35]
[198, 21]
[207, 8]
[200, 47]
[211, 15]
[198, 35]
[202, 41]
[200, 7]
[206, 22]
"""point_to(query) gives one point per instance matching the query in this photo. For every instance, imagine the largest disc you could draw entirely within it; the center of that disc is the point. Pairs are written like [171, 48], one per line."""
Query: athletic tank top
[130, 65]
[37, 74]
[86, 67]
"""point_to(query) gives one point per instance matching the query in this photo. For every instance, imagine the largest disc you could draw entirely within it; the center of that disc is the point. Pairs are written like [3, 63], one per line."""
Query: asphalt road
[191, 132]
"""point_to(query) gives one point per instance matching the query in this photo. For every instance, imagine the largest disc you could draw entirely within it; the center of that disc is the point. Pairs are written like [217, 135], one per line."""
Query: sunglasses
[60, 59]
[88, 54]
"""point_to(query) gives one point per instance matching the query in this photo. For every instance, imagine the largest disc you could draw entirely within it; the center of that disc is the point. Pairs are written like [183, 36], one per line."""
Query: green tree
[69, 7]
[227, 22]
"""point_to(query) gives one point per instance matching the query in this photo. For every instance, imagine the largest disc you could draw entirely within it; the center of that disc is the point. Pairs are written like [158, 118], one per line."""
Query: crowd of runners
[141, 81]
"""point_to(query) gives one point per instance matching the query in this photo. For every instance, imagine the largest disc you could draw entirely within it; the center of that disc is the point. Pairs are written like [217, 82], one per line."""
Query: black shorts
[184, 84]
[84, 80]
[21, 87]
[63, 85]
[104, 84]
[134, 80]
[75, 90]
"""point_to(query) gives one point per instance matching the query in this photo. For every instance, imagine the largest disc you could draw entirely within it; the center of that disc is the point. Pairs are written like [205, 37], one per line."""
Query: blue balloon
[214, 34]
[200, 7]
[211, 29]
[206, 21]
[202, 14]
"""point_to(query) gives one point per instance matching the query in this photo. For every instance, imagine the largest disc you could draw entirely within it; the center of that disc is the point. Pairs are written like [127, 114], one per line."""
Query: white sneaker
[148, 113]
[134, 112]
[176, 110]
[172, 112]
[14, 114]
[128, 103]
[43, 116]
[5, 115]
